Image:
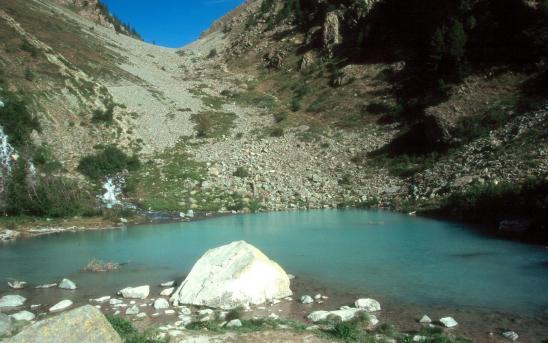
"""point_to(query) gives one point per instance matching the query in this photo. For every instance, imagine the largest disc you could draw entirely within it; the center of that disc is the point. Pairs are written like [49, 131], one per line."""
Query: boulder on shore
[6, 324]
[11, 301]
[236, 274]
[61, 305]
[368, 305]
[140, 292]
[85, 324]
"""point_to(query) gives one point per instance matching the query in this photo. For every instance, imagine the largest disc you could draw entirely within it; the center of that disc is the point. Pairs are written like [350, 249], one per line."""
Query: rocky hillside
[281, 105]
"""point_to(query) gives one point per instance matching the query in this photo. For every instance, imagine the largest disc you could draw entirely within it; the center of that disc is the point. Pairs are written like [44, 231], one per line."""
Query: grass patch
[129, 333]
[212, 124]
[241, 172]
[99, 266]
[253, 98]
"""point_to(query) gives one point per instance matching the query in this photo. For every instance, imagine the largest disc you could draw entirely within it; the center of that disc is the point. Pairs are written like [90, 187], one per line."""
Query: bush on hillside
[16, 120]
[46, 196]
[108, 161]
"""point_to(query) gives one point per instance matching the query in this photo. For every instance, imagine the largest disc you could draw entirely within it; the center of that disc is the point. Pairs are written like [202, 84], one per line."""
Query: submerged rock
[449, 322]
[140, 292]
[168, 284]
[67, 284]
[368, 305]
[85, 324]
[62, 305]
[167, 292]
[17, 284]
[11, 301]
[307, 299]
[49, 285]
[236, 274]
[511, 335]
[23, 315]
[5, 324]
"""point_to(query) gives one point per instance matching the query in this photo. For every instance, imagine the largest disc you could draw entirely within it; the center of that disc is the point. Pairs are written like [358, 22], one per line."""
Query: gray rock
[67, 284]
[331, 36]
[425, 320]
[167, 292]
[318, 316]
[11, 301]
[1, 104]
[307, 299]
[140, 292]
[133, 310]
[449, 322]
[511, 335]
[62, 305]
[23, 315]
[17, 284]
[85, 324]
[168, 284]
[368, 304]
[161, 304]
[235, 323]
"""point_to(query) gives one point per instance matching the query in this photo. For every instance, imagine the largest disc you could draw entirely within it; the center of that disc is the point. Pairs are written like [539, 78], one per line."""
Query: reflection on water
[406, 258]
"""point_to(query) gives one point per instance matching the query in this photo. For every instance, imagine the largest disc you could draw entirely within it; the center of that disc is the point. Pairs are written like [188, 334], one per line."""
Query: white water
[6, 151]
[113, 190]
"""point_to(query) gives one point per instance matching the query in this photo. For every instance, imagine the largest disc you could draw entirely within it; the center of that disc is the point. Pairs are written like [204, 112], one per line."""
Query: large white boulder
[140, 292]
[236, 274]
[11, 301]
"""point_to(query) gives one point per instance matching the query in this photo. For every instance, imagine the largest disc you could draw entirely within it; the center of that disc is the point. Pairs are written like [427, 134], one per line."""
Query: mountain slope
[262, 112]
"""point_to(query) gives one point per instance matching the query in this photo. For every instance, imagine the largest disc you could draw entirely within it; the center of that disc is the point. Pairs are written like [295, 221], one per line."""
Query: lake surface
[372, 253]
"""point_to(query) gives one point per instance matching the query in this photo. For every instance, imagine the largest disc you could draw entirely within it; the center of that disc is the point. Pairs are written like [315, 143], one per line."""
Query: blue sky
[171, 23]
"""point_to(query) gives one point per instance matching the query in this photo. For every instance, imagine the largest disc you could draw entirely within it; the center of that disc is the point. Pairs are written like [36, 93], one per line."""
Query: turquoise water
[410, 259]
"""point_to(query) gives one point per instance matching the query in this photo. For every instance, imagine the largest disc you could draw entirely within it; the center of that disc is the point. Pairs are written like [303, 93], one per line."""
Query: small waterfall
[113, 190]
[6, 151]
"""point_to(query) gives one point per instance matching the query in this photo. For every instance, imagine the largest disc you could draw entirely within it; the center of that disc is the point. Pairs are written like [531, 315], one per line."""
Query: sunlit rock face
[236, 274]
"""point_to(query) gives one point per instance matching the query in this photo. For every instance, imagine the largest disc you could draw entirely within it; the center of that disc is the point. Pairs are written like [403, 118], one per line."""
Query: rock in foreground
[236, 274]
[85, 324]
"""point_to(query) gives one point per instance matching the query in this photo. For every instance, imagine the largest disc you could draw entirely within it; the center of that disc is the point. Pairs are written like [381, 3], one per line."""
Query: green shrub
[47, 196]
[280, 116]
[17, 121]
[104, 116]
[345, 330]
[212, 53]
[203, 126]
[277, 132]
[235, 313]
[29, 75]
[129, 333]
[241, 172]
[109, 161]
[26, 46]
